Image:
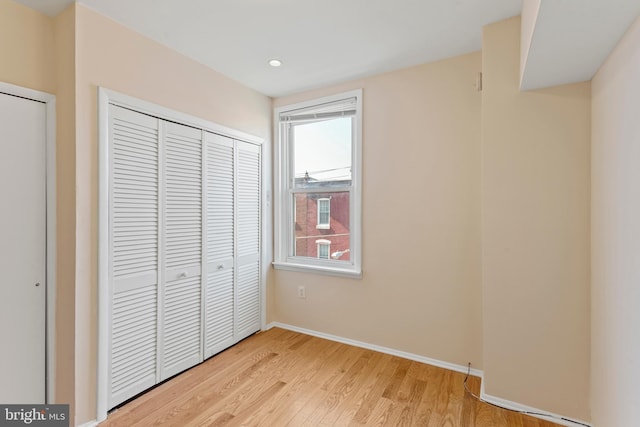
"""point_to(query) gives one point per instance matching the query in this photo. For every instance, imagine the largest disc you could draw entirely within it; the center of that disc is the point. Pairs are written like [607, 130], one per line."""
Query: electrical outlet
[302, 292]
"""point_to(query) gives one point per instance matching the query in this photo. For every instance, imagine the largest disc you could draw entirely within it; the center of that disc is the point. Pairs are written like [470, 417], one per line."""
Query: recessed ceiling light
[275, 62]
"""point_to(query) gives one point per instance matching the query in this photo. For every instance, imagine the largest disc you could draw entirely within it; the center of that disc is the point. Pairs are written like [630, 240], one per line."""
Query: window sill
[319, 269]
[323, 227]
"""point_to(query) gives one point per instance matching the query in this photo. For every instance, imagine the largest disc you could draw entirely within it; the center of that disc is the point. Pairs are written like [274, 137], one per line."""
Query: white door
[182, 258]
[248, 190]
[22, 249]
[220, 236]
[133, 205]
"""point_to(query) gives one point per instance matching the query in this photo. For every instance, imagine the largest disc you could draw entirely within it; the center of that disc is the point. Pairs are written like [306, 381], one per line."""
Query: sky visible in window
[323, 149]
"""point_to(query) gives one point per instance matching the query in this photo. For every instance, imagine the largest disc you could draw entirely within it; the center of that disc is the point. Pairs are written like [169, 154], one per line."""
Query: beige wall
[43, 60]
[535, 234]
[615, 228]
[420, 290]
[64, 29]
[111, 56]
[26, 47]
[432, 147]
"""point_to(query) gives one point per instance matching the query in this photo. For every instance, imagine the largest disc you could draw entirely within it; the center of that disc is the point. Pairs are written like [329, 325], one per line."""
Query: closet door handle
[182, 275]
[220, 267]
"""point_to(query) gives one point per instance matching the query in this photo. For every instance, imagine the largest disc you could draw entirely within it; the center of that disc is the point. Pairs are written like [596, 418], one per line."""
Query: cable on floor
[479, 399]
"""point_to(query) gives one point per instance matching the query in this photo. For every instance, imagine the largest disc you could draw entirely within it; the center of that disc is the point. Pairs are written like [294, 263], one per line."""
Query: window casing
[318, 185]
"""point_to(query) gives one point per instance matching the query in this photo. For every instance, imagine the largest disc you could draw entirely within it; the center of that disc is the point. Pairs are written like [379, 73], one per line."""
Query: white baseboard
[534, 412]
[93, 423]
[545, 415]
[386, 350]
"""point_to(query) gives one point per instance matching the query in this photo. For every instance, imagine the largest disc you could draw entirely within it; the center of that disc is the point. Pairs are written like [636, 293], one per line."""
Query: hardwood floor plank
[326, 413]
[301, 386]
[373, 397]
[246, 411]
[345, 391]
[415, 396]
[222, 420]
[209, 392]
[382, 412]
[469, 403]
[305, 386]
[283, 378]
[327, 376]
[362, 387]
[391, 391]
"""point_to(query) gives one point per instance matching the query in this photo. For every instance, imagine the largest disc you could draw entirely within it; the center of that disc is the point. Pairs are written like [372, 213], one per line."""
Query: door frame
[49, 101]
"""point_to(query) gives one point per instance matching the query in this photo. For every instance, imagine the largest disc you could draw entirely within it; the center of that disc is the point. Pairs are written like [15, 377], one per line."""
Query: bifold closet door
[233, 186]
[180, 327]
[248, 190]
[184, 248]
[220, 235]
[133, 224]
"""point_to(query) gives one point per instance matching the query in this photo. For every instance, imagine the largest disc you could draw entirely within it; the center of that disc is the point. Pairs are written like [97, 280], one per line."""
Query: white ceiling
[322, 42]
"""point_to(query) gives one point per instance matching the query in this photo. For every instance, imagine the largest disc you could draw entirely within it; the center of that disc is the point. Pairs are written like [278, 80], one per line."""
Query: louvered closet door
[181, 293]
[220, 235]
[133, 225]
[248, 190]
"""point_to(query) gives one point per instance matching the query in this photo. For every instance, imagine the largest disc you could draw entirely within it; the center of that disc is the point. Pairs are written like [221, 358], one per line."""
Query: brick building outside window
[310, 235]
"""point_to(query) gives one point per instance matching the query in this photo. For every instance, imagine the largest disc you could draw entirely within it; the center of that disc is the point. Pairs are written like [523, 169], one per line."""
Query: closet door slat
[181, 299]
[248, 223]
[134, 253]
[219, 292]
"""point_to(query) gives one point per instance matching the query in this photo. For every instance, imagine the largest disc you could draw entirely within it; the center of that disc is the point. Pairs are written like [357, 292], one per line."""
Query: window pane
[324, 218]
[307, 232]
[323, 212]
[322, 153]
[323, 251]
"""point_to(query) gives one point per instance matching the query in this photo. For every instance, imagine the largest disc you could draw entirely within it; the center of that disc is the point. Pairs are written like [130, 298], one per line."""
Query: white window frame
[284, 233]
[321, 225]
[323, 243]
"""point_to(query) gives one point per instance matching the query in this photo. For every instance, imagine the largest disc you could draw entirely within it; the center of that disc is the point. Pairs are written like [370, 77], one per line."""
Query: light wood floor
[282, 378]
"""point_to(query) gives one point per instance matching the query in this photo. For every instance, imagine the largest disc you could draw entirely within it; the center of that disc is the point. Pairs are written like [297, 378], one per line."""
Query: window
[324, 214]
[324, 248]
[318, 185]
